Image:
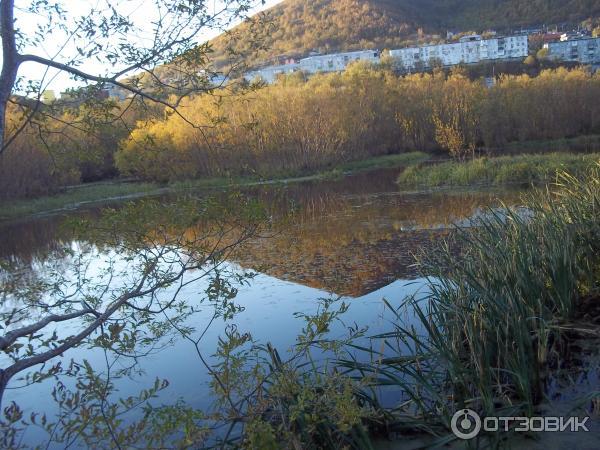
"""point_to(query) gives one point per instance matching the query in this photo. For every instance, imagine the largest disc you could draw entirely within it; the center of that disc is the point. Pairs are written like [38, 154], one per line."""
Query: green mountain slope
[300, 26]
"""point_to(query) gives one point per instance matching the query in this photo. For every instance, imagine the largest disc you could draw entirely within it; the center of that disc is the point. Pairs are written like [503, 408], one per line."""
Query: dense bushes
[63, 144]
[290, 127]
[459, 114]
[28, 167]
[297, 125]
[28, 170]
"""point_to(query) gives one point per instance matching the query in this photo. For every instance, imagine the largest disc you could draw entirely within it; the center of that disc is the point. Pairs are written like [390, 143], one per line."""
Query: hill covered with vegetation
[297, 27]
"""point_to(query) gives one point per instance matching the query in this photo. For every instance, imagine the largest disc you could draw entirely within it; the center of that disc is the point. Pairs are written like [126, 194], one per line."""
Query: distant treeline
[64, 144]
[298, 125]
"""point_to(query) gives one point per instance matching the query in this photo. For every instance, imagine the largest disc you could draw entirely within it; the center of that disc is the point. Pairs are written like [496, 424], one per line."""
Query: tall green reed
[488, 334]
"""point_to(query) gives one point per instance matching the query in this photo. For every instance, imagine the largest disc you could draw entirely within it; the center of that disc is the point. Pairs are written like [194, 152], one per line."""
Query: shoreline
[79, 196]
[426, 173]
[503, 170]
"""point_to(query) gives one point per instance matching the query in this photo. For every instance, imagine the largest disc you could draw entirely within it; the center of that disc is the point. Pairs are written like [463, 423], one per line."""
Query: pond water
[352, 238]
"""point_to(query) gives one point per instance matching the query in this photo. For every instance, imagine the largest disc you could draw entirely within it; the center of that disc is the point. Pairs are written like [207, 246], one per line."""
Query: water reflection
[349, 236]
[354, 237]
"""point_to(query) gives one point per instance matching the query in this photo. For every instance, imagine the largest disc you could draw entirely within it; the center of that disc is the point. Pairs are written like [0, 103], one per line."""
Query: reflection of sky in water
[269, 305]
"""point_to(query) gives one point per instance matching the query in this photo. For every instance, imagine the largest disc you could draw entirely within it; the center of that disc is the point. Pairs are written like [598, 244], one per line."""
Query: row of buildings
[471, 49]
[468, 50]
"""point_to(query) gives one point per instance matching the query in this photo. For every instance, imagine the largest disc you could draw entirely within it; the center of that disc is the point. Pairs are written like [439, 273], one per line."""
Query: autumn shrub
[51, 146]
[28, 169]
[291, 127]
[298, 126]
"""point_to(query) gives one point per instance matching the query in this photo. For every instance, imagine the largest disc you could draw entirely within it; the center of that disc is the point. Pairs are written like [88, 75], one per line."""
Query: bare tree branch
[9, 338]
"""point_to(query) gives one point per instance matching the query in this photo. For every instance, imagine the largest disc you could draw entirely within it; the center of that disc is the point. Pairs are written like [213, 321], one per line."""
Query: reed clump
[490, 333]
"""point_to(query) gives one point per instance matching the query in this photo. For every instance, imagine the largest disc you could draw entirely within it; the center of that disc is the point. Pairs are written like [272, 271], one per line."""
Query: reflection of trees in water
[352, 239]
[350, 236]
[352, 268]
[141, 258]
[36, 239]
[374, 195]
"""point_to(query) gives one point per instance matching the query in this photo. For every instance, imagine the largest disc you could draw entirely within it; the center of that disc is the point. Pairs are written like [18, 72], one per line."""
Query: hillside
[300, 26]
[506, 14]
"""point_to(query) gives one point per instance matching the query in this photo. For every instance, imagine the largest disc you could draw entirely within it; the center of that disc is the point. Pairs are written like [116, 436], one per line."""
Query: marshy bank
[420, 170]
[523, 169]
[500, 333]
[94, 194]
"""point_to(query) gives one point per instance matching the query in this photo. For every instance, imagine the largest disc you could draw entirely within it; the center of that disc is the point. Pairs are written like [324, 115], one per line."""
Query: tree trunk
[10, 62]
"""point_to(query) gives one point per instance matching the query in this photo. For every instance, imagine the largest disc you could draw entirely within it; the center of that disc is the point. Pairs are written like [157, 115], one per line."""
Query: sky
[142, 11]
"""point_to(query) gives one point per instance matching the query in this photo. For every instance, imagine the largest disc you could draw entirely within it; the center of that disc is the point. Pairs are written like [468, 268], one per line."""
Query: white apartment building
[585, 51]
[336, 62]
[469, 50]
[269, 74]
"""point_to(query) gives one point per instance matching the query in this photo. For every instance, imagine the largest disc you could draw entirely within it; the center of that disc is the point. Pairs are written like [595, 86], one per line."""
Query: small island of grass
[525, 169]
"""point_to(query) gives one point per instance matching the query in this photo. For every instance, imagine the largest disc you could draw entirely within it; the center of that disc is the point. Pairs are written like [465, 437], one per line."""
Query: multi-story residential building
[335, 62]
[585, 51]
[469, 50]
[577, 34]
[269, 74]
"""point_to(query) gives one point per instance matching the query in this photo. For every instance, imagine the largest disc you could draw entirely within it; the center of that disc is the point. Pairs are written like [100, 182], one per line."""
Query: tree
[530, 61]
[108, 33]
[172, 66]
[456, 118]
[542, 54]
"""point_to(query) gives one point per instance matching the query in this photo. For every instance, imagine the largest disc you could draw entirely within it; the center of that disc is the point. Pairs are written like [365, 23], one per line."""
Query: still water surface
[353, 238]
